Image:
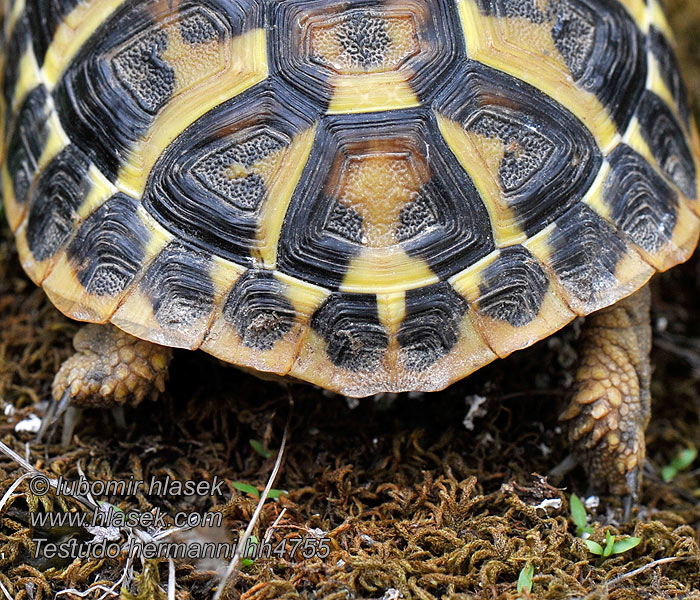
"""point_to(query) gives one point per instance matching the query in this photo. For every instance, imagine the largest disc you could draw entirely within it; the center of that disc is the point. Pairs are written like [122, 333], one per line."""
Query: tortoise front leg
[611, 405]
[109, 370]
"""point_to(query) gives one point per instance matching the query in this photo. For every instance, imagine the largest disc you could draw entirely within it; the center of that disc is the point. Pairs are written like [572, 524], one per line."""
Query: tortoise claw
[53, 413]
[630, 500]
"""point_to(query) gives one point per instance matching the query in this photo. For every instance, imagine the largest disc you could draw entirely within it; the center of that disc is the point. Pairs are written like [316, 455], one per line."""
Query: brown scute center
[377, 187]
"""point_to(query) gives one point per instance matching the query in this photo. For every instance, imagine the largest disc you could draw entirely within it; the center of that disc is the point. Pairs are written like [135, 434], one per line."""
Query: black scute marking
[532, 150]
[143, 72]
[60, 191]
[642, 204]
[670, 72]
[119, 81]
[344, 221]
[416, 217]
[27, 142]
[109, 247]
[198, 30]
[525, 9]
[667, 143]
[585, 253]
[179, 285]
[349, 324]
[259, 310]
[17, 45]
[244, 192]
[192, 190]
[447, 225]
[44, 18]
[431, 326]
[550, 158]
[599, 42]
[574, 36]
[365, 39]
[513, 287]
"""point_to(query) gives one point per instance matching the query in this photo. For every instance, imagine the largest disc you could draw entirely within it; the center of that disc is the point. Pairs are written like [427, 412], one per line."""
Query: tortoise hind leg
[109, 369]
[611, 405]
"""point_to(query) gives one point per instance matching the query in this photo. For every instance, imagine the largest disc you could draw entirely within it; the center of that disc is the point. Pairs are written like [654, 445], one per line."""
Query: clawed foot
[109, 370]
[611, 405]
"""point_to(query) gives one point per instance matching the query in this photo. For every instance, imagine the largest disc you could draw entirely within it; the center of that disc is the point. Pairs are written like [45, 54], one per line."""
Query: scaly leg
[611, 405]
[109, 370]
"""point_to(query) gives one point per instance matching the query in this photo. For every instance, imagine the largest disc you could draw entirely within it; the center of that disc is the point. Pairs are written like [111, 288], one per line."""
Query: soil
[412, 496]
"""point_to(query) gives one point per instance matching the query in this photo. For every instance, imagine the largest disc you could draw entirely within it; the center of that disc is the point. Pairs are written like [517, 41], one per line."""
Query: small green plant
[260, 449]
[578, 515]
[525, 579]
[253, 491]
[684, 459]
[612, 546]
[245, 562]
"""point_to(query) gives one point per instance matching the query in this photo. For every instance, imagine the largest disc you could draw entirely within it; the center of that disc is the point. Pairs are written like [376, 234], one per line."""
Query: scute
[431, 326]
[179, 286]
[364, 56]
[26, 142]
[371, 195]
[667, 143]
[137, 63]
[355, 338]
[210, 185]
[109, 247]
[259, 310]
[539, 158]
[392, 194]
[59, 193]
[513, 287]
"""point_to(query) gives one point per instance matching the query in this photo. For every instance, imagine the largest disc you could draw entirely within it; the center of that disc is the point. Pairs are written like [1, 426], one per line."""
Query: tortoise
[368, 195]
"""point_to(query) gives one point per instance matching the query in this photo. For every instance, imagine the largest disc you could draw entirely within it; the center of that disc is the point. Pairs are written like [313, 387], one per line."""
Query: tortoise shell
[370, 195]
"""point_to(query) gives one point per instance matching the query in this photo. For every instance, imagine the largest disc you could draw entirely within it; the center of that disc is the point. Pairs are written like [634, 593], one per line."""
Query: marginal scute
[349, 323]
[211, 184]
[541, 159]
[667, 143]
[60, 190]
[259, 310]
[17, 45]
[179, 286]
[109, 247]
[431, 326]
[670, 72]
[513, 287]
[44, 17]
[27, 139]
[642, 204]
[398, 197]
[585, 253]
